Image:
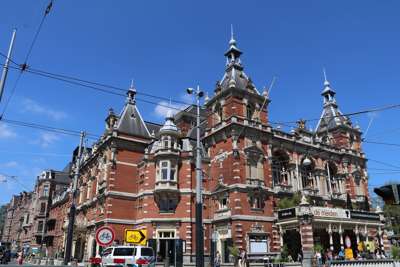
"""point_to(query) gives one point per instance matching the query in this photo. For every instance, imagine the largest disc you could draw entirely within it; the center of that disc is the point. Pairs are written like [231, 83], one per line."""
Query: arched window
[307, 172]
[332, 178]
[358, 183]
[280, 166]
[218, 112]
[249, 112]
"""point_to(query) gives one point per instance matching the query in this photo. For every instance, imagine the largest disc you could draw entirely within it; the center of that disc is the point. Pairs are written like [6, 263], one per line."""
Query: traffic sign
[137, 236]
[105, 235]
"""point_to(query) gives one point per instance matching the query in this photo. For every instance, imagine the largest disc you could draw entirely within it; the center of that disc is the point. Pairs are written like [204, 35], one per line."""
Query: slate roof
[130, 121]
[331, 116]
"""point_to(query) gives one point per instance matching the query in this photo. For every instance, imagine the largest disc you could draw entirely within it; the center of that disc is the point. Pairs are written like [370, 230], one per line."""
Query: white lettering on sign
[330, 212]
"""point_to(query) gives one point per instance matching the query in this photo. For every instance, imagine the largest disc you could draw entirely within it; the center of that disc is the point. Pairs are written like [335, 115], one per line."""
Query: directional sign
[138, 237]
[105, 235]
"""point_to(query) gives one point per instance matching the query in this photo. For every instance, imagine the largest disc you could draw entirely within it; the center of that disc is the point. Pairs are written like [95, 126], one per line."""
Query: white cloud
[46, 139]
[163, 107]
[9, 164]
[6, 132]
[32, 106]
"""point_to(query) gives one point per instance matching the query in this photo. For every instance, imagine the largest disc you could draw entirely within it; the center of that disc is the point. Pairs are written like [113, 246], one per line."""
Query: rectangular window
[168, 171]
[164, 170]
[42, 207]
[223, 203]
[89, 190]
[258, 243]
[46, 191]
[256, 203]
[40, 226]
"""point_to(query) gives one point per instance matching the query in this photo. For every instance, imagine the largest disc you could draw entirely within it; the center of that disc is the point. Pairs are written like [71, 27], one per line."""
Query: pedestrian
[217, 259]
[341, 254]
[20, 258]
[318, 257]
[299, 257]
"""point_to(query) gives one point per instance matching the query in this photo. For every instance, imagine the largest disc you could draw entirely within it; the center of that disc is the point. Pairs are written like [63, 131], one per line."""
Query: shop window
[258, 243]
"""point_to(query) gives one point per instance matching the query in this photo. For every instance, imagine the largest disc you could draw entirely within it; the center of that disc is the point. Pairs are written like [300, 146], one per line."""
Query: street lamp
[199, 200]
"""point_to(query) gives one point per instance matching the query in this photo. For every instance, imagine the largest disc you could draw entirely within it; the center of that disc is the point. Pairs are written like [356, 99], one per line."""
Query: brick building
[141, 175]
[27, 214]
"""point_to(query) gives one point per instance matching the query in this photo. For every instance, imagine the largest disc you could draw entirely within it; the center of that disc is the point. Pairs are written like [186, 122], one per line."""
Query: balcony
[310, 191]
[282, 187]
[255, 182]
[360, 198]
[337, 195]
[166, 185]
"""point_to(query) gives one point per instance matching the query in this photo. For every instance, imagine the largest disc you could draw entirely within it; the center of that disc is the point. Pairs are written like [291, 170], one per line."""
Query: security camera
[201, 94]
[189, 91]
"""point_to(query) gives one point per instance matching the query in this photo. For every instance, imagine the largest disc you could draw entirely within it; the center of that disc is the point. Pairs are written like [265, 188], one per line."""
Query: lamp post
[199, 199]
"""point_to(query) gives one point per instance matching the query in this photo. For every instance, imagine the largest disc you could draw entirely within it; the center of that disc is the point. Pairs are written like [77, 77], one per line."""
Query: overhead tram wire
[102, 87]
[25, 64]
[49, 128]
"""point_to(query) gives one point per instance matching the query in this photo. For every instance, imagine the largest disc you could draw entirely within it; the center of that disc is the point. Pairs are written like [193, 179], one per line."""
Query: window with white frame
[165, 234]
[258, 243]
[256, 202]
[167, 171]
[45, 190]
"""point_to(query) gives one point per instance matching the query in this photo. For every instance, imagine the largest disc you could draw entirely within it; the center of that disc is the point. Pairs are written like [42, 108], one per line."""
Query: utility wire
[48, 128]
[24, 66]
[381, 143]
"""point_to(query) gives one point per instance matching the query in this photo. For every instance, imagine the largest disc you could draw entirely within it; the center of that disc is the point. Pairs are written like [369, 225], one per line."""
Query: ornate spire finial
[232, 41]
[325, 79]
[131, 93]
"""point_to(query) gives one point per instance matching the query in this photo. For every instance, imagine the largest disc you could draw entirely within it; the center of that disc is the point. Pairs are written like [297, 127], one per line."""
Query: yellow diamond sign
[137, 236]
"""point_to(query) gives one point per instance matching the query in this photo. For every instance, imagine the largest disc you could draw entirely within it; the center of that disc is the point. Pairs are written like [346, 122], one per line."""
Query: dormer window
[167, 171]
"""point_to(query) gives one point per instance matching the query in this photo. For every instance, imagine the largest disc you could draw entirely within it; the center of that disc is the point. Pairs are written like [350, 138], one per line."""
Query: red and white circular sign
[105, 235]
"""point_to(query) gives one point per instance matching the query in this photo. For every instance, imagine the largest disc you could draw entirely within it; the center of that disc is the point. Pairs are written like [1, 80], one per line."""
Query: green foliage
[3, 213]
[234, 251]
[396, 252]
[318, 247]
[289, 202]
[392, 215]
[284, 253]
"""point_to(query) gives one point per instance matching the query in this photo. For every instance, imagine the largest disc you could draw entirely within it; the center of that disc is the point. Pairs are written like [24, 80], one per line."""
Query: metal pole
[199, 199]
[5, 68]
[71, 217]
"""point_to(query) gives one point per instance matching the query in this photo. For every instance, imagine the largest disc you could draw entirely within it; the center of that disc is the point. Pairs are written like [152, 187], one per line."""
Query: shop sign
[369, 216]
[286, 213]
[330, 212]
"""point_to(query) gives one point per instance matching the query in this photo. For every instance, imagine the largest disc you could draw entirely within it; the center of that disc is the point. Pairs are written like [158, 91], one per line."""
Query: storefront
[328, 228]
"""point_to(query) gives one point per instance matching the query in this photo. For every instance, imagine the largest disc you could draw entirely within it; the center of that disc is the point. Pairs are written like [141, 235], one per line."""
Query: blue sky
[166, 46]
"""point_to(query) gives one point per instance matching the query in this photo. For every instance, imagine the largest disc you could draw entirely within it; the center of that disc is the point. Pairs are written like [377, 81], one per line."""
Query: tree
[289, 202]
[392, 215]
[3, 214]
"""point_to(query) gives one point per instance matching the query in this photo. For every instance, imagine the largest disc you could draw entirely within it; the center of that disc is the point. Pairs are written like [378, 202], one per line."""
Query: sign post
[105, 236]
[136, 236]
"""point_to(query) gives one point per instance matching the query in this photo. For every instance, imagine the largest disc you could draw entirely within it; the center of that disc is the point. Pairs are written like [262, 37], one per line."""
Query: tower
[334, 128]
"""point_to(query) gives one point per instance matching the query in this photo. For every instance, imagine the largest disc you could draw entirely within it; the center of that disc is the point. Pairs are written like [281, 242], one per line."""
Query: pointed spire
[131, 93]
[232, 41]
[328, 93]
[233, 52]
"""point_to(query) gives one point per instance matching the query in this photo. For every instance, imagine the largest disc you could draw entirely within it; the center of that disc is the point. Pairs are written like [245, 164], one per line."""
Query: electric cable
[25, 64]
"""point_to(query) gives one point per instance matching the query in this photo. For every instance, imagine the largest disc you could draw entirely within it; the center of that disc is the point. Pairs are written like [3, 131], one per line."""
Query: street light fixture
[199, 199]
